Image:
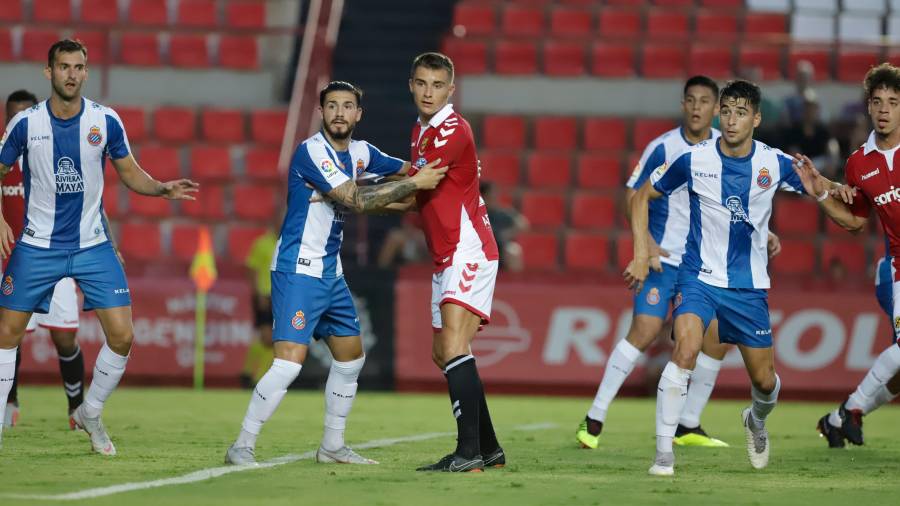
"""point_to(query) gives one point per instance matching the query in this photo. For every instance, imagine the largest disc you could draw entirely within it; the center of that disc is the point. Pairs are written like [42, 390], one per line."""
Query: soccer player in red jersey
[873, 181]
[465, 257]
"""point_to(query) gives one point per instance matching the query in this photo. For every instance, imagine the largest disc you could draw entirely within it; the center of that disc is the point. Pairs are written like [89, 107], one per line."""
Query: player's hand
[773, 245]
[428, 177]
[636, 273]
[7, 239]
[812, 180]
[180, 189]
[316, 197]
[655, 253]
[844, 193]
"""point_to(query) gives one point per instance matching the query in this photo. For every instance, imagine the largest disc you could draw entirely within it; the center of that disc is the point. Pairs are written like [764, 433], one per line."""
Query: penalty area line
[215, 472]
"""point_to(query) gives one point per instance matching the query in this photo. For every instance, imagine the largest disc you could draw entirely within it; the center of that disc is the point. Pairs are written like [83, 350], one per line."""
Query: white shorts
[470, 285]
[63, 313]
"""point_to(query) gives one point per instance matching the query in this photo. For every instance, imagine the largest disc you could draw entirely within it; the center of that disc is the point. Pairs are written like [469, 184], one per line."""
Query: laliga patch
[299, 320]
[7, 288]
[329, 170]
[896, 320]
[94, 137]
[653, 296]
[764, 180]
[658, 173]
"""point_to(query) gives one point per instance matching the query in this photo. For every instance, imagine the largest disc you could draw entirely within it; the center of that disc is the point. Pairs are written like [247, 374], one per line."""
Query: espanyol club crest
[94, 137]
[360, 166]
[7, 286]
[764, 180]
[299, 320]
[653, 296]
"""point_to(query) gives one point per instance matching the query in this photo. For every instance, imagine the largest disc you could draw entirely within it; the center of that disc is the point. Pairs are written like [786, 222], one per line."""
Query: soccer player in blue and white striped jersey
[731, 183]
[64, 143]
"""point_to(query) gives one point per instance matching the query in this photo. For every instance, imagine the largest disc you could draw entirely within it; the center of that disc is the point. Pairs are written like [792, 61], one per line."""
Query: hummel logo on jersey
[869, 174]
[892, 195]
[68, 180]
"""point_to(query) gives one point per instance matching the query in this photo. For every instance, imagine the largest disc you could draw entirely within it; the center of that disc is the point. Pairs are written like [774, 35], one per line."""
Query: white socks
[670, 398]
[108, 370]
[265, 399]
[885, 367]
[882, 396]
[763, 404]
[703, 380]
[7, 374]
[340, 390]
[619, 366]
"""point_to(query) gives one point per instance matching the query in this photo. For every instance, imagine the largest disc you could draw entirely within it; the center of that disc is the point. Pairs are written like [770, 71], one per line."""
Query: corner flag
[203, 273]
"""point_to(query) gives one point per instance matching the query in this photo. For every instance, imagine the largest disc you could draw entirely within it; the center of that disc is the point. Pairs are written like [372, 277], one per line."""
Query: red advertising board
[555, 335]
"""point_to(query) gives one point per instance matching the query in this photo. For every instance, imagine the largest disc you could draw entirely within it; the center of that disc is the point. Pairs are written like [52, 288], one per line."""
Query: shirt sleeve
[790, 180]
[861, 206]
[317, 168]
[653, 157]
[117, 141]
[14, 140]
[381, 164]
[672, 177]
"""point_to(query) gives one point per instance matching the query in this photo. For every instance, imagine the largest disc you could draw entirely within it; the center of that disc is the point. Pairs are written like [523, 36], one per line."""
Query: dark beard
[61, 91]
[339, 136]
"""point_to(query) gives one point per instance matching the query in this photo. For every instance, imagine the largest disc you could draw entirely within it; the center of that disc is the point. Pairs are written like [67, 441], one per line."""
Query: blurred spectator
[506, 223]
[837, 272]
[404, 245]
[793, 104]
[260, 354]
[811, 137]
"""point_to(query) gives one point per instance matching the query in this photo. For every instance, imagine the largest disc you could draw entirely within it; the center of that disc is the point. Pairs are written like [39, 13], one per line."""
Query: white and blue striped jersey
[730, 202]
[669, 214]
[311, 235]
[62, 168]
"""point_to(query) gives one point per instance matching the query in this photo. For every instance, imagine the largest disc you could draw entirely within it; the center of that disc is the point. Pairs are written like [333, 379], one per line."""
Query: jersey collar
[441, 116]
[870, 145]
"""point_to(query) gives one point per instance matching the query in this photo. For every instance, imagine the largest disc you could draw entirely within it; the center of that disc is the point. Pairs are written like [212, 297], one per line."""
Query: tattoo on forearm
[372, 197]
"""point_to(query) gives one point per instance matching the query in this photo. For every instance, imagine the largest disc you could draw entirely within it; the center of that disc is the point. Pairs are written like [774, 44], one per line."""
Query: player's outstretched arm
[139, 181]
[369, 198]
[7, 239]
[639, 267]
[822, 189]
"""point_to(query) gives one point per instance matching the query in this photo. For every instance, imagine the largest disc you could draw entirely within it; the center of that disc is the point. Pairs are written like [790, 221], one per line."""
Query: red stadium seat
[796, 257]
[715, 25]
[585, 251]
[36, 43]
[626, 3]
[578, 3]
[50, 11]
[148, 12]
[267, 126]
[661, 60]
[549, 169]
[647, 129]
[222, 125]
[820, 57]
[555, 132]
[514, 57]
[563, 58]
[796, 216]
[504, 132]
[210, 205]
[262, 163]
[240, 238]
[174, 124]
[605, 133]
[255, 202]
[543, 209]
[522, 20]
[210, 162]
[469, 56]
[101, 12]
[766, 58]
[247, 14]
[852, 254]
[674, 3]
[764, 25]
[853, 64]
[567, 22]
[502, 167]
[97, 44]
[723, 4]
[140, 241]
[624, 250]
[12, 11]
[541, 250]
[666, 24]
[598, 170]
[713, 60]
[239, 52]
[619, 23]
[139, 49]
[476, 19]
[188, 51]
[111, 200]
[196, 13]
[6, 47]
[135, 122]
[148, 207]
[592, 211]
[184, 240]
[611, 59]
[161, 162]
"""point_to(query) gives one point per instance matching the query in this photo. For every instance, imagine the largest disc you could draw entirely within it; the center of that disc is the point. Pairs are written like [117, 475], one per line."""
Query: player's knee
[763, 381]
[685, 355]
[120, 341]
[10, 334]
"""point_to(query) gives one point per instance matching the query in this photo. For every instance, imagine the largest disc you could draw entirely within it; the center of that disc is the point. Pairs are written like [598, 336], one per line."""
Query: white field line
[215, 472]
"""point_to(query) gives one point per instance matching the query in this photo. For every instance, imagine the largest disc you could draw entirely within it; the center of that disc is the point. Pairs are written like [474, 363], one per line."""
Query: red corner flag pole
[203, 273]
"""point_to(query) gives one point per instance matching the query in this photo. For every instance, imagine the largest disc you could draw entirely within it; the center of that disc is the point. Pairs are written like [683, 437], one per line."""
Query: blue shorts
[305, 308]
[743, 313]
[884, 286]
[32, 273]
[657, 293]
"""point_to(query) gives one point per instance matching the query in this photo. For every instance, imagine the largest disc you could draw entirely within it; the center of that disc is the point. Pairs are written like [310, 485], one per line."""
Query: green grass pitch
[164, 433]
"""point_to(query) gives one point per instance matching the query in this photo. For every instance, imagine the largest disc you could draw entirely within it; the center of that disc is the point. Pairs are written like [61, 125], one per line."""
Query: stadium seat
[605, 133]
[148, 12]
[593, 211]
[6, 47]
[852, 254]
[148, 207]
[140, 241]
[174, 124]
[240, 238]
[722, 4]
[474, 18]
[97, 44]
[893, 29]
[255, 202]
[667, 24]
[663, 60]
[562, 58]
[713, 60]
[766, 58]
[12, 11]
[196, 13]
[796, 216]
[543, 209]
[567, 22]
[555, 132]
[246, 14]
[503, 132]
[859, 28]
[515, 57]
[825, 6]
[612, 59]
[625, 3]
[210, 162]
[240, 52]
[222, 125]
[262, 163]
[135, 122]
[267, 126]
[184, 238]
[876, 7]
[587, 252]
[647, 129]
[541, 250]
[188, 51]
[619, 23]
[100, 12]
[598, 171]
[814, 27]
[549, 169]
[469, 56]
[796, 257]
[853, 63]
[624, 250]
[764, 25]
[819, 56]
[111, 200]
[50, 11]
[674, 3]
[161, 162]
[139, 49]
[210, 205]
[502, 167]
[36, 42]
[769, 5]
[715, 25]
[521, 20]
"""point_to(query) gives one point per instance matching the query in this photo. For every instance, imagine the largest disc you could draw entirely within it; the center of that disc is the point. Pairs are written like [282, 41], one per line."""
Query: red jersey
[454, 216]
